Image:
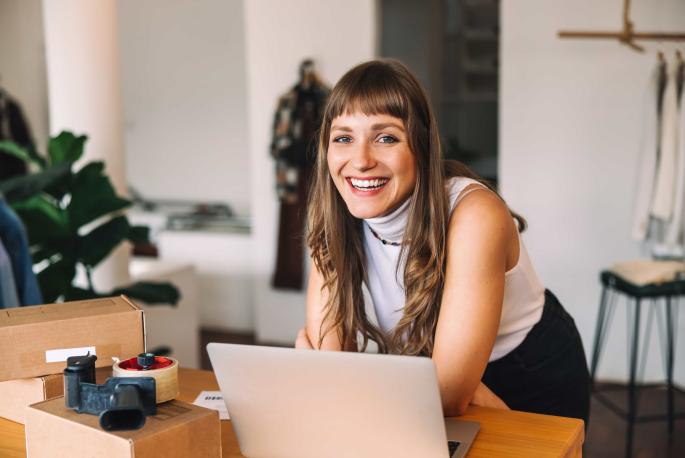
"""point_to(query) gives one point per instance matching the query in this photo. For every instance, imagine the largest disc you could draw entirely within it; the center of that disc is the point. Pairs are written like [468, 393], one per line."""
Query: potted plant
[74, 217]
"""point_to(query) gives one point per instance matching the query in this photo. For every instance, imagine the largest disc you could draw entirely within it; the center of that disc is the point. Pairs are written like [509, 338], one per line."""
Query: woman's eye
[342, 139]
[387, 139]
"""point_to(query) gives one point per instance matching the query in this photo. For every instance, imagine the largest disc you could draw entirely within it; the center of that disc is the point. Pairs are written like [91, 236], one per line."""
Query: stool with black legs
[629, 280]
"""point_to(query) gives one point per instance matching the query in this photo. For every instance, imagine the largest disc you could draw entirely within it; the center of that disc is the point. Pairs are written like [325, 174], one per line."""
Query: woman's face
[371, 163]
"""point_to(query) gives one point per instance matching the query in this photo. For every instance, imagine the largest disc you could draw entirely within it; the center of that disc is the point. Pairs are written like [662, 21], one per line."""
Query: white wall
[337, 35]
[222, 262]
[183, 74]
[570, 122]
[22, 62]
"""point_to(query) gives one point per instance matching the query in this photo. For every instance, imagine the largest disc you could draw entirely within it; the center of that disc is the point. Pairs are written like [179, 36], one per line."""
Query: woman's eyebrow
[385, 125]
[377, 126]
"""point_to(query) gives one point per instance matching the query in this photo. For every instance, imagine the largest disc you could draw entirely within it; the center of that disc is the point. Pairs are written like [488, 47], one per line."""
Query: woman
[440, 253]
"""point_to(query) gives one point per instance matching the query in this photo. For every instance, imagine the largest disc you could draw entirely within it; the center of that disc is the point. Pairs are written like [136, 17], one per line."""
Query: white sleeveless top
[524, 294]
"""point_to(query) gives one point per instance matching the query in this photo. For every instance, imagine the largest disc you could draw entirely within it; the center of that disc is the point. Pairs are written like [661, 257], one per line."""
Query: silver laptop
[304, 403]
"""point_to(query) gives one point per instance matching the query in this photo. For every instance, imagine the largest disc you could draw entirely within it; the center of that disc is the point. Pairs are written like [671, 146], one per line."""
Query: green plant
[73, 218]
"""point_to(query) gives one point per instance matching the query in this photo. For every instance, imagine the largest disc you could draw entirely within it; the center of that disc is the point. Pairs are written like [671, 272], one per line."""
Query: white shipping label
[61, 354]
[213, 400]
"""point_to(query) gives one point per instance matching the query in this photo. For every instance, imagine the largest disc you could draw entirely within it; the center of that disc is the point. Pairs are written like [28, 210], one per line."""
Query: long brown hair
[335, 237]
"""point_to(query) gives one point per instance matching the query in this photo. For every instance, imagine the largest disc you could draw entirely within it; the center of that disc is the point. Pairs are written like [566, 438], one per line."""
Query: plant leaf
[15, 150]
[64, 247]
[99, 243]
[28, 155]
[151, 292]
[66, 147]
[92, 196]
[43, 219]
[80, 294]
[139, 235]
[19, 188]
[56, 279]
[91, 169]
[43, 253]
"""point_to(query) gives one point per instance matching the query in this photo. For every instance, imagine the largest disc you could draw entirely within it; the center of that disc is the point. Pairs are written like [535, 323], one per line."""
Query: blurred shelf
[481, 35]
[474, 97]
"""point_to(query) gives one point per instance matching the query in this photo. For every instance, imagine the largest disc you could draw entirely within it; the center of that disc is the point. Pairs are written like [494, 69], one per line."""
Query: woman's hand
[302, 342]
[484, 397]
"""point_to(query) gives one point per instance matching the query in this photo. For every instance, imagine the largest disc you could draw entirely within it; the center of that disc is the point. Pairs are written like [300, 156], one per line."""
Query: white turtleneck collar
[391, 227]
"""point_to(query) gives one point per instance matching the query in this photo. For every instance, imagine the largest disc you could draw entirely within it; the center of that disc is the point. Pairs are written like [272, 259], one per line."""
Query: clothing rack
[627, 35]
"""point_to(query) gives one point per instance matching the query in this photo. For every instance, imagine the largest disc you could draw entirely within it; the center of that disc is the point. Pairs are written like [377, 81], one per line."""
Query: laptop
[304, 403]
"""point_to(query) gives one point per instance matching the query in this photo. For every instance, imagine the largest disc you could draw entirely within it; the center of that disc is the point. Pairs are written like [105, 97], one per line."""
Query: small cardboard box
[17, 395]
[37, 340]
[178, 430]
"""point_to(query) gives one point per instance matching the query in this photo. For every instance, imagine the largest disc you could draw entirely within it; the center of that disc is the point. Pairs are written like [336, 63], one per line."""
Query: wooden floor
[606, 433]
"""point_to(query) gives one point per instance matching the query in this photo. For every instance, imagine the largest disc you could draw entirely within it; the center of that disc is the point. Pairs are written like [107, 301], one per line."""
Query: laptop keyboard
[452, 447]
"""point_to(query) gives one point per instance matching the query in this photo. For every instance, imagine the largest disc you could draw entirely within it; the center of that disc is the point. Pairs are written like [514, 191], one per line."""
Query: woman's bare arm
[317, 297]
[480, 235]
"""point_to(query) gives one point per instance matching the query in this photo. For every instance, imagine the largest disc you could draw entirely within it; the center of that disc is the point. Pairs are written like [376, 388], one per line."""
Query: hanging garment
[680, 77]
[664, 193]
[290, 254]
[13, 126]
[296, 122]
[14, 239]
[8, 287]
[648, 157]
[675, 228]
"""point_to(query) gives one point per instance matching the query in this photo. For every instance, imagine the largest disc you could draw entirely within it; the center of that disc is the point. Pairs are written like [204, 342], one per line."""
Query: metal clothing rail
[627, 35]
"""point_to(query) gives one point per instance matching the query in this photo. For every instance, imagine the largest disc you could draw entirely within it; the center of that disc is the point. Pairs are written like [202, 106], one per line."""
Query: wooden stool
[613, 283]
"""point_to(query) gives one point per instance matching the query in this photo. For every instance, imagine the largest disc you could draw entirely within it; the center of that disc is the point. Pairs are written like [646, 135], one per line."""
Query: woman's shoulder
[479, 217]
[474, 204]
[458, 187]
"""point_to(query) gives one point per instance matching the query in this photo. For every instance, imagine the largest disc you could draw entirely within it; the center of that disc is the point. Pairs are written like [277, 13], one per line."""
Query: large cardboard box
[37, 340]
[178, 430]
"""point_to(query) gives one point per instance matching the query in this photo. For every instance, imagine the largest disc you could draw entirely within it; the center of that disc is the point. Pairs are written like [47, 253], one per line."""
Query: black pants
[547, 373]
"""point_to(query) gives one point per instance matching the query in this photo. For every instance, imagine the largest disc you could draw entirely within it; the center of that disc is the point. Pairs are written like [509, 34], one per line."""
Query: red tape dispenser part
[145, 362]
[163, 369]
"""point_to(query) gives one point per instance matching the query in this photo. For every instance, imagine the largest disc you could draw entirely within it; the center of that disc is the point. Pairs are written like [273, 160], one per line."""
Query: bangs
[371, 89]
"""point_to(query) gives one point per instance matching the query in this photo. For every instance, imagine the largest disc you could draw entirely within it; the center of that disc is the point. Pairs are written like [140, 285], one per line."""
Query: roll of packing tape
[164, 370]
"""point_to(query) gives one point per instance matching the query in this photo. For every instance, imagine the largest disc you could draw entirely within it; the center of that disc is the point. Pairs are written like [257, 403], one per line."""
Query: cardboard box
[17, 395]
[178, 430]
[37, 340]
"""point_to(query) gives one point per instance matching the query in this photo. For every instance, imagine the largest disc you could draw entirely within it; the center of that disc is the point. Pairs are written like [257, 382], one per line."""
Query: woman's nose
[363, 157]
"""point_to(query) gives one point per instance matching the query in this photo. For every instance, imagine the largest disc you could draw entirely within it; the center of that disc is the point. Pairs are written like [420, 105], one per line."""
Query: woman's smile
[370, 186]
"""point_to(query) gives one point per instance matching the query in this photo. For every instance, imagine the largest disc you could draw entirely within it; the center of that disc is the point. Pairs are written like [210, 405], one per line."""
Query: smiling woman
[440, 253]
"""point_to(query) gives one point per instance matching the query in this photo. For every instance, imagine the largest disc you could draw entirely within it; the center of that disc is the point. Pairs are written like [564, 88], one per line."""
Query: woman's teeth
[367, 185]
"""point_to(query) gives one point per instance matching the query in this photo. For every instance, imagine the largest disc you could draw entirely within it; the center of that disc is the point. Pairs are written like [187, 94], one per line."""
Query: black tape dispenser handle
[80, 369]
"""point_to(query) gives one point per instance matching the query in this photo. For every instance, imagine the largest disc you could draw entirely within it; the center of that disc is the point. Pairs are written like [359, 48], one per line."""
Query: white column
[84, 89]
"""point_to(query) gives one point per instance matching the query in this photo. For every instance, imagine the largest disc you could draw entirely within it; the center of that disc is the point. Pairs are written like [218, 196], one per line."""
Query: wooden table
[502, 433]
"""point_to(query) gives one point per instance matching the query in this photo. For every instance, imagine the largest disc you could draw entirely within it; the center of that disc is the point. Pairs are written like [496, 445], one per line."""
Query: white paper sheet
[212, 400]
